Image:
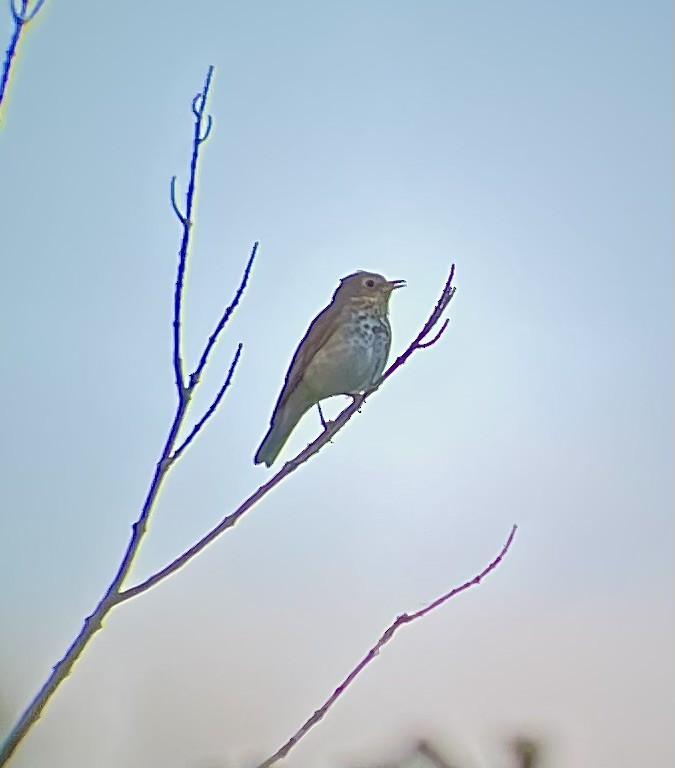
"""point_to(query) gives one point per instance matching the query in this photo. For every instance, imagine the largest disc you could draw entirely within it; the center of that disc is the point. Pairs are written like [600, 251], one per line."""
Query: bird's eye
[369, 282]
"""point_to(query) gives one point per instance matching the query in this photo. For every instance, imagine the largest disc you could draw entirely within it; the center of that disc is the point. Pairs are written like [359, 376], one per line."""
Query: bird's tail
[284, 421]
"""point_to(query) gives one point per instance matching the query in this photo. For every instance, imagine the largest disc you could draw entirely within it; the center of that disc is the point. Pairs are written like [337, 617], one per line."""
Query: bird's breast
[353, 357]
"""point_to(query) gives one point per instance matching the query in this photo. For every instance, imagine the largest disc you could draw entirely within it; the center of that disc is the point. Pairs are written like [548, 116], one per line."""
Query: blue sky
[529, 143]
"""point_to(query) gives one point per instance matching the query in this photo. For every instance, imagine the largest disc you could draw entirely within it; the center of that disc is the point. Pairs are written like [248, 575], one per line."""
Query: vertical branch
[21, 16]
[198, 106]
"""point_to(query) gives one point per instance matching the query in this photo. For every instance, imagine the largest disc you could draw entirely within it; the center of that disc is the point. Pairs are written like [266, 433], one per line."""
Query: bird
[343, 352]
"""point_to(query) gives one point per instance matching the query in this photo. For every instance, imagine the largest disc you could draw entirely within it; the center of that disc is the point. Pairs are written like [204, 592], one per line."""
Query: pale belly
[351, 362]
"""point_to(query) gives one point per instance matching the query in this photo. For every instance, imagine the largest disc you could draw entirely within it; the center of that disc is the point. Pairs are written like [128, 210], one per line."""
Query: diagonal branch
[94, 621]
[174, 203]
[387, 635]
[230, 520]
[213, 338]
[198, 104]
[210, 410]
[441, 305]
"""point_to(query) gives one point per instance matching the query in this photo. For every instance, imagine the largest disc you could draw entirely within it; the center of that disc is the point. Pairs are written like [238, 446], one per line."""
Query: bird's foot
[356, 399]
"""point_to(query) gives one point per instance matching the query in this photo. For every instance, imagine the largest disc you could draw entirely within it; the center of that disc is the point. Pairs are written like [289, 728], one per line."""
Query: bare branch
[186, 222]
[111, 596]
[18, 14]
[197, 106]
[94, 621]
[21, 16]
[207, 130]
[210, 410]
[174, 203]
[333, 427]
[387, 635]
[425, 344]
[445, 298]
[24, 16]
[213, 338]
[34, 12]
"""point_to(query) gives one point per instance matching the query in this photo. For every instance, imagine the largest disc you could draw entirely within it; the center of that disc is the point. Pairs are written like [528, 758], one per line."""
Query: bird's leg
[323, 421]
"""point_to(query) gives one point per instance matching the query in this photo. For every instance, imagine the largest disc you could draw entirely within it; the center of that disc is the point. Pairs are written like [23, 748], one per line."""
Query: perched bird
[343, 352]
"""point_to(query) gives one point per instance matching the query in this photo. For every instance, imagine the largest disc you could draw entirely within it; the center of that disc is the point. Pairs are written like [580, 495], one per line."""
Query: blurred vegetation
[523, 752]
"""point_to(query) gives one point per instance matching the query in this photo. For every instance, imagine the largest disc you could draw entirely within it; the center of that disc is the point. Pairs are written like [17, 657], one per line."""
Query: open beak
[396, 284]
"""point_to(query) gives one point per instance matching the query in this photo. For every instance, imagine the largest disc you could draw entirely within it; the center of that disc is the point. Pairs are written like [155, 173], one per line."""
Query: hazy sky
[528, 142]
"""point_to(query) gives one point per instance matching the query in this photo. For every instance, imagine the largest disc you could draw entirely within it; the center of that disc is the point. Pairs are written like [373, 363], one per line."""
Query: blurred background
[531, 144]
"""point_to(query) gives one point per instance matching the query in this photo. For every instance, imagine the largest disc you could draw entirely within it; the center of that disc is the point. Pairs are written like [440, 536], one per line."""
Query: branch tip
[174, 203]
[385, 637]
[196, 110]
[23, 16]
[207, 131]
[227, 313]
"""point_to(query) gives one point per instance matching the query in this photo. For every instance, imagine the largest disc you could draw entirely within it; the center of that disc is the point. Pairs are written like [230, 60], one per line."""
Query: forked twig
[198, 106]
[21, 16]
[387, 635]
[210, 410]
[213, 338]
[170, 452]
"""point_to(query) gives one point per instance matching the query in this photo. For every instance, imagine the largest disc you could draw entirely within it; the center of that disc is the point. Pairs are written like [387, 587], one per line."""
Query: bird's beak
[396, 284]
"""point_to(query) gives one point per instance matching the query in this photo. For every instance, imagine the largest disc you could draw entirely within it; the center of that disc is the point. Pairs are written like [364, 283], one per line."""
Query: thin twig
[207, 130]
[174, 202]
[21, 16]
[213, 338]
[425, 344]
[445, 298]
[230, 520]
[210, 410]
[387, 635]
[186, 222]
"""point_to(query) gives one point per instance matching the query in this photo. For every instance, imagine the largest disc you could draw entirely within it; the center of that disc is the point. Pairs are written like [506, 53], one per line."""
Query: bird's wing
[317, 334]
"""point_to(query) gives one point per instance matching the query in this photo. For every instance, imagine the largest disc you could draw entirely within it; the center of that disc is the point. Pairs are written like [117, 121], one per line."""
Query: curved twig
[174, 202]
[387, 635]
[207, 130]
[21, 16]
[425, 344]
[197, 110]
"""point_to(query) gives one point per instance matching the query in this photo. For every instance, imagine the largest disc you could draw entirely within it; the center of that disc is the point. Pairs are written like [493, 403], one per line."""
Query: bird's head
[367, 288]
